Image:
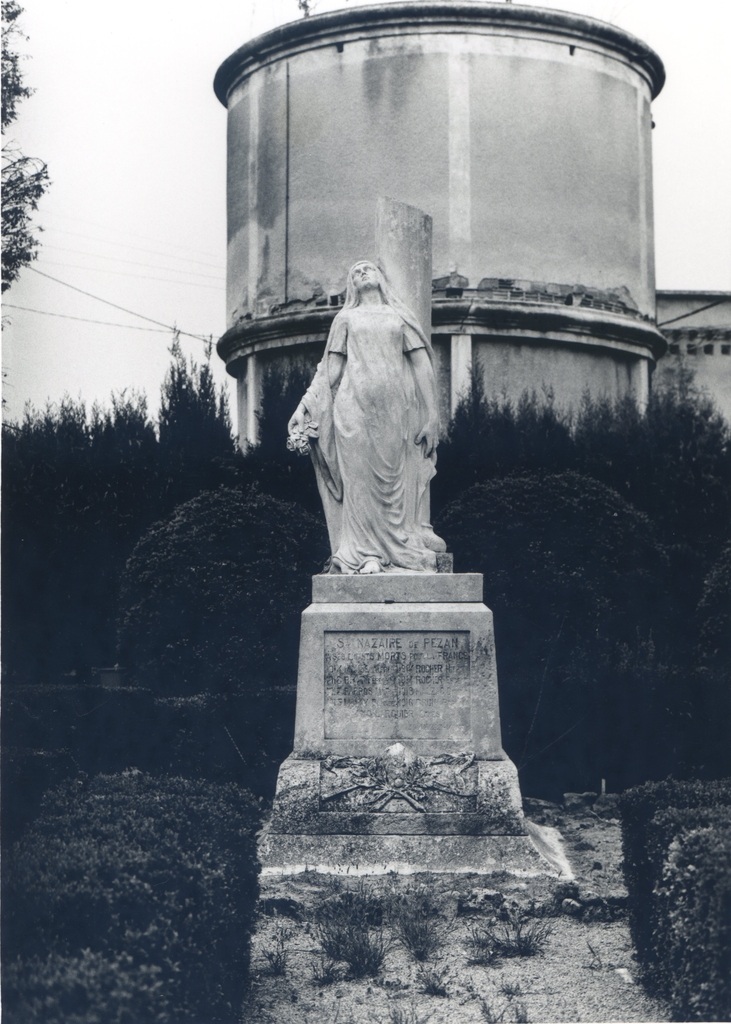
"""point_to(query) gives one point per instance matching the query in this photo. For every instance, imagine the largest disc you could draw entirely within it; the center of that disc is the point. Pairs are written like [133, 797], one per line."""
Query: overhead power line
[198, 337]
[138, 248]
[86, 320]
[130, 234]
[135, 263]
[130, 273]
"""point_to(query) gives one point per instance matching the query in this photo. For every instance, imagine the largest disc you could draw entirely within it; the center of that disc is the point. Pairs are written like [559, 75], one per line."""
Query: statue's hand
[296, 424]
[429, 436]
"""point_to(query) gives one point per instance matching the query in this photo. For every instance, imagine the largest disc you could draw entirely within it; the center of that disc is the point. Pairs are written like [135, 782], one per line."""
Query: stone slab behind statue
[398, 762]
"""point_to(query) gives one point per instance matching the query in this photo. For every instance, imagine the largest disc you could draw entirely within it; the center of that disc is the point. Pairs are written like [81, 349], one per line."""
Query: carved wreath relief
[383, 784]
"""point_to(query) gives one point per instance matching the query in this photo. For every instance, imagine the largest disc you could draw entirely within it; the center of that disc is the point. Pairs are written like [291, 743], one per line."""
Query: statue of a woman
[372, 413]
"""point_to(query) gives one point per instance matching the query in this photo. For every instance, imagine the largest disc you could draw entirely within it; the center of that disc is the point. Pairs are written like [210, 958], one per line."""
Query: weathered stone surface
[399, 782]
[398, 763]
[445, 561]
[304, 799]
[571, 907]
[397, 587]
[421, 673]
[374, 855]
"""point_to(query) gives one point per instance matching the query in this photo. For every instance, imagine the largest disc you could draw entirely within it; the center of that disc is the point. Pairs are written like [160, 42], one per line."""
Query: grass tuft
[518, 936]
[324, 971]
[350, 929]
[398, 1014]
[418, 926]
[277, 957]
[432, 981]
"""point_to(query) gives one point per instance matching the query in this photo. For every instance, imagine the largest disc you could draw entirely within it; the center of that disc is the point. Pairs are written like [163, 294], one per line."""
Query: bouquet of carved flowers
[299, 440]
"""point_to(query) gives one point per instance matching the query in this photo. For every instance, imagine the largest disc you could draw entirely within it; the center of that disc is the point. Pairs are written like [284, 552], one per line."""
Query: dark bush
[77, 491]
[652, 815]
[570, 572]
[714, 613]
[196, 448]
[56, 732]
[212, 596]
[695, 914]
[490, 438]
[212, 600]
[91, 988]
[157, 878]
[277, 471]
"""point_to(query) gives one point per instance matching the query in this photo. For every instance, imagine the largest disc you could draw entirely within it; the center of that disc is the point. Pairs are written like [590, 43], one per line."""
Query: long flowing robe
[371, 474]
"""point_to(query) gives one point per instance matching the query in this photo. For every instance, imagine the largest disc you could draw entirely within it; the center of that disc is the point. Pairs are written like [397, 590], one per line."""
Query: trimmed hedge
[695, 915]
[570, 571]
[211, 598]
[670, 897]
[643, 855]
[90, 988]
[132, 890]
[211, 602]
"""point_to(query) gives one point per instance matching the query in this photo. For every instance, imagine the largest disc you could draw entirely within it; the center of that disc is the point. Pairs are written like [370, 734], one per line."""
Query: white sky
[125, 117]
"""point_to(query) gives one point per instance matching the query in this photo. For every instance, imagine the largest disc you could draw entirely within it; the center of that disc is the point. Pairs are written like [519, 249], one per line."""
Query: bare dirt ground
[586, 971]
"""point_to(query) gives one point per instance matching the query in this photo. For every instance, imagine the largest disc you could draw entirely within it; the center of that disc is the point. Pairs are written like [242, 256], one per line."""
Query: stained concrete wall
[526, 135]
[509, 369]
[531, 154]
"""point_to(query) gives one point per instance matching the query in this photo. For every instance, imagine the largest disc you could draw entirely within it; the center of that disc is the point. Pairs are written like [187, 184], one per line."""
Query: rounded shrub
[211, 601]
[572, 573]
[211, 597]
[129, 883]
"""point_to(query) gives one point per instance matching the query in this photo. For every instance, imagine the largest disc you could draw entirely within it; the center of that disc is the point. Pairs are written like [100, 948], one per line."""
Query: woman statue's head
[363, 276]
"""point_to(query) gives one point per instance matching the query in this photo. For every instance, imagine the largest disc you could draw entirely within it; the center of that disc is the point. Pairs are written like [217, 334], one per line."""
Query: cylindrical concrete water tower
[524, 132]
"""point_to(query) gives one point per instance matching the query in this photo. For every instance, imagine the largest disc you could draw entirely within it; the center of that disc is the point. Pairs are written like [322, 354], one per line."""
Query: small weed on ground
[417, 925]
[391, 984]
[517, 1012]
[517, 936]
[520, 1012]
[350, 929]
[596, 960]
[432, 981]
[489, 1013]
[324, 971]
[277, 957]
[401, 1015]
[481, 946]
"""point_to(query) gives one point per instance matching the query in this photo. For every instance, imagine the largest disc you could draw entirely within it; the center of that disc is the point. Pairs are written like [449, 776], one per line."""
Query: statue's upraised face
[365, 275]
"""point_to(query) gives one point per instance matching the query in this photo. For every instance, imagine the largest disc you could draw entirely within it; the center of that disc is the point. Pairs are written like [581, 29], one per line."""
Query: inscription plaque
[397, 685]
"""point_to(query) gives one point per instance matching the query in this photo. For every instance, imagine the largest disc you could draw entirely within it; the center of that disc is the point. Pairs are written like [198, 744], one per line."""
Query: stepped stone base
[403, 854]
[443, 814]
[398, 762]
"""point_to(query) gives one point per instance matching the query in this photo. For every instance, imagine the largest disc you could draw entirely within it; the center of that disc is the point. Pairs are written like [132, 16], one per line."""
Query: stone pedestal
[398, 763]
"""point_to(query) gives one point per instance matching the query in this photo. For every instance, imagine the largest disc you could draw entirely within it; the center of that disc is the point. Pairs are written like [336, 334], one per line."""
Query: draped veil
[326, 449]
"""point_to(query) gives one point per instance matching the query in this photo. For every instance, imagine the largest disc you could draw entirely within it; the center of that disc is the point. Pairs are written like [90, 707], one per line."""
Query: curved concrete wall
[525, 133]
